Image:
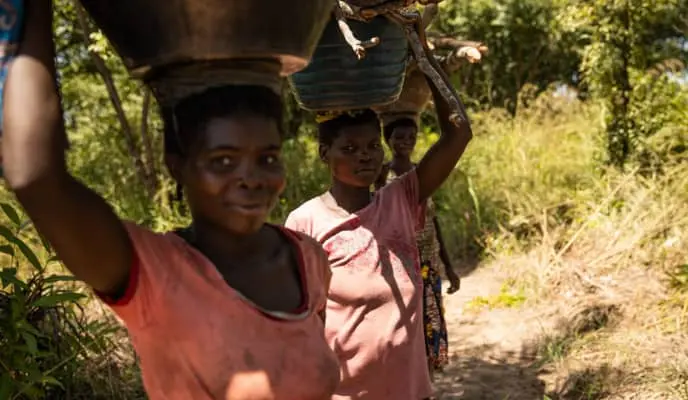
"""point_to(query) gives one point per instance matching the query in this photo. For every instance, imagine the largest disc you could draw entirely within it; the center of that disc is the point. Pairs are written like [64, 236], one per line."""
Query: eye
[221, 162]
[376, 145]
[348, 148]
[271, 159]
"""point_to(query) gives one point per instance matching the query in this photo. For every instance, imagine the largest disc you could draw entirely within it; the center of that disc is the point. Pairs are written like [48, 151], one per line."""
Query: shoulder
[308, 207]
[403, 186]
[301, 218]
[156, 267]
[400, 197]
[150, 244]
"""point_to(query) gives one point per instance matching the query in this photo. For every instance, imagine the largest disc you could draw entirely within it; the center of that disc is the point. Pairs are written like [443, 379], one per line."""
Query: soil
[491, 356]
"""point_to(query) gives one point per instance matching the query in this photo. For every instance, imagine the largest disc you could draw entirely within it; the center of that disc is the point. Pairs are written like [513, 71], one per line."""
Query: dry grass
[614, 275]
[604, 253]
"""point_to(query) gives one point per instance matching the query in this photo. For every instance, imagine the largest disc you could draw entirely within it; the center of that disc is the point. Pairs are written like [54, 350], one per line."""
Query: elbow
[28, 164]
[28, 181]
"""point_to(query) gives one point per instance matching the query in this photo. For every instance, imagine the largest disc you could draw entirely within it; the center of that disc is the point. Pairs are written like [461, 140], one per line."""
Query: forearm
[440, 160]
[33, 131]
[443, 110]
[444, 256]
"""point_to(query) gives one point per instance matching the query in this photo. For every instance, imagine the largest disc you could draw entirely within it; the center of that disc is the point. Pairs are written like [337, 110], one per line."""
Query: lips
[251, 209]
[365, 171]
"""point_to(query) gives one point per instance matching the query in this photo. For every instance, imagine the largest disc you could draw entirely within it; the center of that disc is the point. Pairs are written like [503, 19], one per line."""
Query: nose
[364, 156]
[249, 176]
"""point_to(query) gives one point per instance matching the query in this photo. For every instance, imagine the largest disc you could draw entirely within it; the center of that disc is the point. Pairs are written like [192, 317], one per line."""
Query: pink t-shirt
[197, 338]
[374, 307]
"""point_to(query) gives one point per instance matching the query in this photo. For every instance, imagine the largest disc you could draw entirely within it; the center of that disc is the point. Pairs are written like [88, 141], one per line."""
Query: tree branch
[116, 101]
[341, 11]
[151, 167]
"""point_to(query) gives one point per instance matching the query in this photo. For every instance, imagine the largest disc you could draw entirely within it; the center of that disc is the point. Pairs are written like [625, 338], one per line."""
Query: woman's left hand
[454, 281]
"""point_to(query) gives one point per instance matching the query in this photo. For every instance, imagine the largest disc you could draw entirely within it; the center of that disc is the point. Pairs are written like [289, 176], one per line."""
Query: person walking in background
[231, 308]
[401, 136]
[374, 309]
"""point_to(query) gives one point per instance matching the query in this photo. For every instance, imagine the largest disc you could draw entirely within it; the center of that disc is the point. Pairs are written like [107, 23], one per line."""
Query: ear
[175, 164]
[323, 152]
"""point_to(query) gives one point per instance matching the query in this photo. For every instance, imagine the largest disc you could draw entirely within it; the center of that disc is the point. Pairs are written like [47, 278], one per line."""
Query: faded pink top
[374, 307]
[197, 338]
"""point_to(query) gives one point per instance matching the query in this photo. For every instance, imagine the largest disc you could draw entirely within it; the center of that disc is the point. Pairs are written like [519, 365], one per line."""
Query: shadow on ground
[521, 353]
[474, 378]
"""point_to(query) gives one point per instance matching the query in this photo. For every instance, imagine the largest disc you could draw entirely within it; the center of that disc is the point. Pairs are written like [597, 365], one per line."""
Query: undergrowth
[608, 248]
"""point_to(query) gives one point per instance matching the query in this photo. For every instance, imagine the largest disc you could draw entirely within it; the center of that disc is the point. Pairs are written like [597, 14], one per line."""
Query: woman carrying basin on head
[374, 309]
[230, 308]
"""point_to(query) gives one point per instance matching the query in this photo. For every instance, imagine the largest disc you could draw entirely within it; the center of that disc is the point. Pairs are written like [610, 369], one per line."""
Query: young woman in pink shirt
[374, 308]
[232, 308]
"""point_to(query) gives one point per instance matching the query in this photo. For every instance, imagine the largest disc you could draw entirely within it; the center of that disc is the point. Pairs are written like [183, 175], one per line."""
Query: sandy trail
[488, 349]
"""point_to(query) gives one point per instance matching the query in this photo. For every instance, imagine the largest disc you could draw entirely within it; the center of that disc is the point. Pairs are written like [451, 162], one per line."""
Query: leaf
[30, 341]
[7, 249]
[9, 276]
[59, 278]
[28, 253]
[50, 380]
[7, 234]
[5, 385]
[53, 259]
[11, 213]
[52, 300]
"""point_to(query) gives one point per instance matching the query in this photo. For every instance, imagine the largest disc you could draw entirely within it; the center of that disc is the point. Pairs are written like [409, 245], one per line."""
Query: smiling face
[355, 155]
[403, 139]
[232, 175]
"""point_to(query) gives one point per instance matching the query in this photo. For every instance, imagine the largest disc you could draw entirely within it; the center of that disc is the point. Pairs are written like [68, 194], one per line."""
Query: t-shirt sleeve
[297, 223]
[323, 276]
[149, 277]
[317, 267]
[406, 187]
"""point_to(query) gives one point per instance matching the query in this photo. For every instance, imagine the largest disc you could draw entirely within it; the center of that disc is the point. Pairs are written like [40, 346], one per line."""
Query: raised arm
[439, 161]
[83, 229]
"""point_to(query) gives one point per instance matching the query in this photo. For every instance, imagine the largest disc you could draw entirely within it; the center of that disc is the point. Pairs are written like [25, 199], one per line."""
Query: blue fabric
[11, 23]
[11, 26]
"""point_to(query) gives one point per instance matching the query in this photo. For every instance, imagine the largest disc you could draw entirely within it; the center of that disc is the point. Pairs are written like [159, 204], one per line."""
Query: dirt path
[490, 350]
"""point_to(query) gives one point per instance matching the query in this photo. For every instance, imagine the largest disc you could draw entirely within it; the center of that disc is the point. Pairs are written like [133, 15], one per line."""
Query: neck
[401, 163]
[350, 198]
[222, 246]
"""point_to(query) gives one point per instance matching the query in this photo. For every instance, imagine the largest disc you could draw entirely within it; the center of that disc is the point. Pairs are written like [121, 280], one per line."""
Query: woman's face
[402, 141]
[233, 174]
[355, 156]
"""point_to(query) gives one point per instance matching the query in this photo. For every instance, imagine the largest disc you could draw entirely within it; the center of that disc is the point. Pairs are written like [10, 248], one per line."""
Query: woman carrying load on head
[401, 136]
[230, 308]
[374, 308]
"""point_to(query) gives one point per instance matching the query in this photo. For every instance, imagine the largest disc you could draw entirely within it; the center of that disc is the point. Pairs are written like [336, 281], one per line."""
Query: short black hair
[399, 123]
[328, 131]
[192, 114]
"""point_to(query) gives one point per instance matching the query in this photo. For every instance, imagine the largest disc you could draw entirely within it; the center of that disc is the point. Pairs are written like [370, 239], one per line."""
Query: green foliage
[622, 53]
[508, 297]
[628, 43]
[527, 46]
[44, 334]
[535, 162]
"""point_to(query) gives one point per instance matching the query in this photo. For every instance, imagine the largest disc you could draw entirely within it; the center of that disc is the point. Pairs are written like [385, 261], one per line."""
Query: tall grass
[532, 195]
